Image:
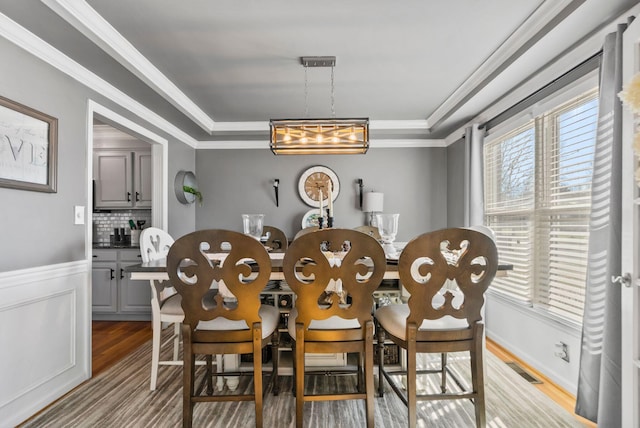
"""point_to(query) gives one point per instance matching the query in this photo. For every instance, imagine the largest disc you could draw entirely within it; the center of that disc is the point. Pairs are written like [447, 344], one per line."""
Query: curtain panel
[599, 381]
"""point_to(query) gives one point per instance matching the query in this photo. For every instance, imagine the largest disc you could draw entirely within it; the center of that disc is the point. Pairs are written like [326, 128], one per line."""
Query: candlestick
[320, 221]
[330, 203]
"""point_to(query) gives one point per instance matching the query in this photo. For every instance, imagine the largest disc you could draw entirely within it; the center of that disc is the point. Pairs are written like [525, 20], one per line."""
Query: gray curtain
[473, 185]
[599, 385]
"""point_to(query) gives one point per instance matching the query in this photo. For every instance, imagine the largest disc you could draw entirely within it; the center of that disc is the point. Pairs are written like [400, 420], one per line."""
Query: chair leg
[299, 370]
[443, 372]
[156, 326]
[219, 371]
[209, 374]
[275, 355]
[477, 376]
[380, 361]
[412, 401]
[257, 371]
[368, 373]
[188, 374]
[176, 340]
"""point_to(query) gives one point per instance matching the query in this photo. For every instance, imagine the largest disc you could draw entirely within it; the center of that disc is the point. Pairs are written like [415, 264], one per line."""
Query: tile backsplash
[105, 222]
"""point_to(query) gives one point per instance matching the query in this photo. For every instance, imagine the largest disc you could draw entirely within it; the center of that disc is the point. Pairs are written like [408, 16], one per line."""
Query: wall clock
[315, 179]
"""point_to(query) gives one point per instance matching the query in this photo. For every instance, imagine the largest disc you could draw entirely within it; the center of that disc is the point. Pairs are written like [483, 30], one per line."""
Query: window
[538, 200]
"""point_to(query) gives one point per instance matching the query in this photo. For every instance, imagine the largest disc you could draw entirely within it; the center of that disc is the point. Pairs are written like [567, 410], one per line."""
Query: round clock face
[316, 179]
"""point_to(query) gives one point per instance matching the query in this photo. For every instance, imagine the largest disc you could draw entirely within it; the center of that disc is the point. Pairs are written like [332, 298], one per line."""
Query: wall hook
[276, 183]
[360, 184]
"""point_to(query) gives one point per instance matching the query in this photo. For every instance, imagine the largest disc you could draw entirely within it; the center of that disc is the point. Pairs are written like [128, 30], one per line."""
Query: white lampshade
[373, 202]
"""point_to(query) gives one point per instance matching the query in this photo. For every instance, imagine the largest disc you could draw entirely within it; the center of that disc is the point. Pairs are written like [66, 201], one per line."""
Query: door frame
[160, 167]
[630, 251]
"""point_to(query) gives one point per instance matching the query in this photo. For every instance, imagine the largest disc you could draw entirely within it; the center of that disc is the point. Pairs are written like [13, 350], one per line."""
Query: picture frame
[28, 148]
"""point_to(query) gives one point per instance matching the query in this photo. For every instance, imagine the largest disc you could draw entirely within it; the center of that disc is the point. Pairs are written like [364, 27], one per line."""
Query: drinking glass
[252, 225]
[388, 228]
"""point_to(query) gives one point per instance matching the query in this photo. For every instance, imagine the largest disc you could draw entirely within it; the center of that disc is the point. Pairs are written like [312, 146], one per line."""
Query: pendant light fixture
[319, 136]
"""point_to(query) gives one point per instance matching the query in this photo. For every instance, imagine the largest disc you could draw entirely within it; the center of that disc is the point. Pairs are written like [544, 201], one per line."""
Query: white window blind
[538, 199]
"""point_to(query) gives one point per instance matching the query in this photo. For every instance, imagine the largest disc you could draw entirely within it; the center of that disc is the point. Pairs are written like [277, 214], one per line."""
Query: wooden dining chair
[369, 230]
[436, 320]
[304, 231]
[222, 325]
[276, 239]
[339, 321]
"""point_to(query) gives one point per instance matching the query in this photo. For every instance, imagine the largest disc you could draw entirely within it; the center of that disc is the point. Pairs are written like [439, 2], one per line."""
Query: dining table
[156, 270]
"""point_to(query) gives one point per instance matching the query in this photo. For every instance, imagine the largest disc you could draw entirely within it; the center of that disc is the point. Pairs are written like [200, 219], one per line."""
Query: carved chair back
[468, 257]
[353, 261]
[197, 260]
[276, 239]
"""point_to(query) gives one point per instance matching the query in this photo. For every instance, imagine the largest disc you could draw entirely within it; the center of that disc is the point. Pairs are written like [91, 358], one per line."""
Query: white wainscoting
[45, 336]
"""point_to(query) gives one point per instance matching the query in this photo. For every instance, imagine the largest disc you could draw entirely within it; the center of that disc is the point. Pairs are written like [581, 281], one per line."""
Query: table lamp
[373, 203]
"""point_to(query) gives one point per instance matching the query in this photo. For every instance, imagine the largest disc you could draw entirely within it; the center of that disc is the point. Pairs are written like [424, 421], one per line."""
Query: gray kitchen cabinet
[123, 178]
[104, 290]
[114, 295]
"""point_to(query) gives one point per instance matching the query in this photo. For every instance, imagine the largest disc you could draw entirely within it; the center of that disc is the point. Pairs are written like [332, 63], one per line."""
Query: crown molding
[88, 22]
[264, 144]
[551, 12]
[37, 47]
[564, 61]
[391, 125]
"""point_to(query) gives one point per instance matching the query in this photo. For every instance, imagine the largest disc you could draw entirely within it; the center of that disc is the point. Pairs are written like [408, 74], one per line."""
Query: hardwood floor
[112, 340]
[557, 394]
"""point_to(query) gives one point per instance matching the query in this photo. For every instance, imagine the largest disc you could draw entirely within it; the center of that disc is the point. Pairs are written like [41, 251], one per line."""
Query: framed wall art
[28, 148]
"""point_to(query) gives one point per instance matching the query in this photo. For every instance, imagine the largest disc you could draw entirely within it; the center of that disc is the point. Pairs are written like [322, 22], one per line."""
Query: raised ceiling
[219, 70]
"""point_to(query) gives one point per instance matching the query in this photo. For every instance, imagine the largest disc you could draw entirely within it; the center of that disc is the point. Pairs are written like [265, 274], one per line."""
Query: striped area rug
[120, 397]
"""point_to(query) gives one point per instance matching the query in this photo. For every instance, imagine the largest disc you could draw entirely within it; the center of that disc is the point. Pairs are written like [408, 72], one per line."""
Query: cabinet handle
[128, 196]
[112, 274]
[137, 196]
[95, 257]
[121, 273]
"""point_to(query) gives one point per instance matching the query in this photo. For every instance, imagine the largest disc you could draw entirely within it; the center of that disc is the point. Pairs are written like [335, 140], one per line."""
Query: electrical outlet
[562, 351]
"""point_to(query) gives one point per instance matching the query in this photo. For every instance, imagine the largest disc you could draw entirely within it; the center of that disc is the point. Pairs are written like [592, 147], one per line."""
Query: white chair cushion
[332, 323]
[172, 306]
[270, 317]
[393, 318]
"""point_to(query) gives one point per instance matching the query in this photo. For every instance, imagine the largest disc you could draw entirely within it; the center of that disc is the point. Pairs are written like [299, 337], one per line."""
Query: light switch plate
[78, 214]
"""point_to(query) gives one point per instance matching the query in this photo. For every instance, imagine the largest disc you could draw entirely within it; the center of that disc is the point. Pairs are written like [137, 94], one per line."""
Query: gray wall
[36, 228]
[455, 184]
[182, 218]
[233, 182]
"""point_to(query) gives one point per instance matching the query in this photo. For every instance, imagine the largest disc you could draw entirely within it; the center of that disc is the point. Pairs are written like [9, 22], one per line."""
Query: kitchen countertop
[106, 246]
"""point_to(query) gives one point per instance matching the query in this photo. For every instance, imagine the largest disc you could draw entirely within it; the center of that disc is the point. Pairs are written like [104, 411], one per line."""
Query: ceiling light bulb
[319, 138]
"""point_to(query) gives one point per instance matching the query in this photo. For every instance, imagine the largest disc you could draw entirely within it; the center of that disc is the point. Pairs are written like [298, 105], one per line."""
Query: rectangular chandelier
[319, 136]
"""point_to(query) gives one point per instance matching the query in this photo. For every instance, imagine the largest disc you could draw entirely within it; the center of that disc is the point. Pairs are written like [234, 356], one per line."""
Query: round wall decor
[186, 180]
[315, 179]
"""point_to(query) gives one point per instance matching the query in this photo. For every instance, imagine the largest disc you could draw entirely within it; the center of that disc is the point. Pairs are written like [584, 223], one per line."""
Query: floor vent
[522, 372]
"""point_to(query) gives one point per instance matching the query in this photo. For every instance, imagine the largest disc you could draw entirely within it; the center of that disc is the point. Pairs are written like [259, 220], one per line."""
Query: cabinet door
[135, 296]
[104, 290]
[142, 179]
[112, 172]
